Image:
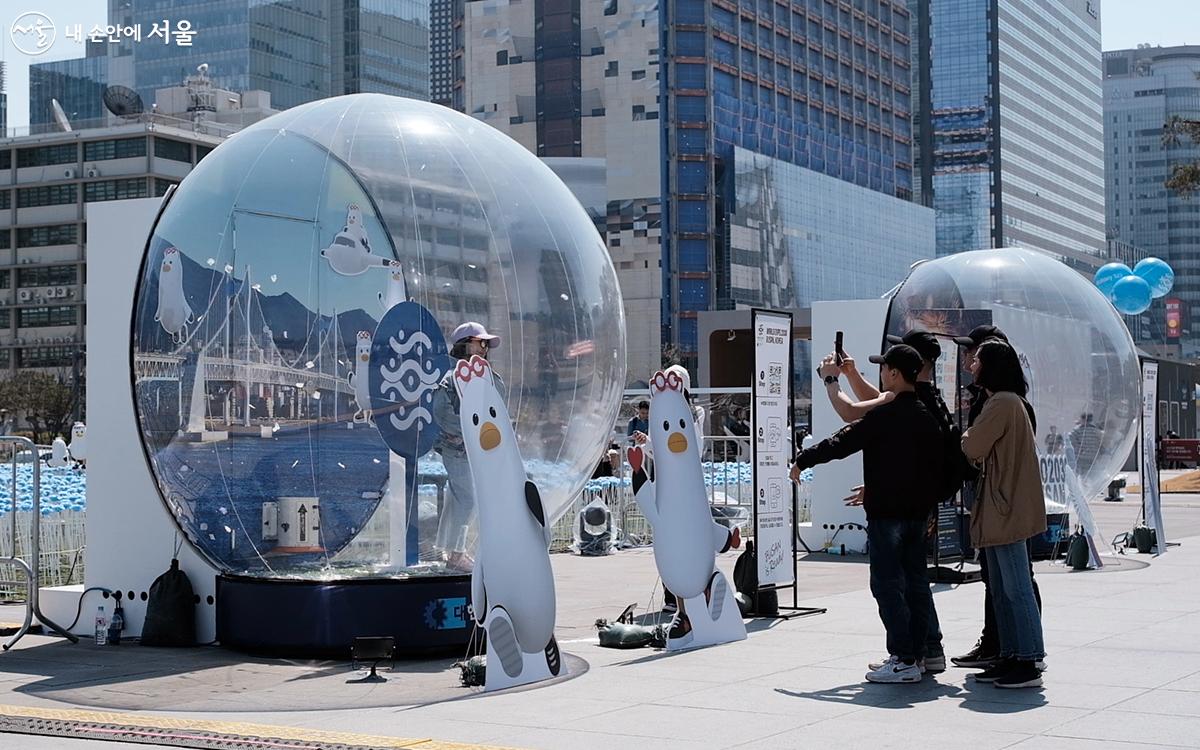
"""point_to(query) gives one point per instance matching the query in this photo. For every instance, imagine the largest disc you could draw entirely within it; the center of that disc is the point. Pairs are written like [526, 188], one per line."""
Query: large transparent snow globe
[293, 327]
[1078, 356]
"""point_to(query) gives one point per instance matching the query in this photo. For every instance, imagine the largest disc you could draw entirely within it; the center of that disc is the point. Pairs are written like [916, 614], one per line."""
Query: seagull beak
[677, 443]
[489, 436]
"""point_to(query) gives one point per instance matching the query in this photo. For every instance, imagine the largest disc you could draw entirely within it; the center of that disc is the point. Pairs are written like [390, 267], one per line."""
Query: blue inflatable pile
[63, 489]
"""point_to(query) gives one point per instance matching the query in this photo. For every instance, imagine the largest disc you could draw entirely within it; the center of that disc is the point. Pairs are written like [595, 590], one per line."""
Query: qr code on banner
[775, 379]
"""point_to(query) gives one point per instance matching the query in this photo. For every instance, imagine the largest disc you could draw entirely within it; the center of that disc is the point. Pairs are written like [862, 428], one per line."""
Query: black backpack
[954, 463]
[170, 610]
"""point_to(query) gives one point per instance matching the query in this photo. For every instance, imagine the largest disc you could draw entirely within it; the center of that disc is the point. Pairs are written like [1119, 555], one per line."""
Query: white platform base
[712, 623]
[509, 666]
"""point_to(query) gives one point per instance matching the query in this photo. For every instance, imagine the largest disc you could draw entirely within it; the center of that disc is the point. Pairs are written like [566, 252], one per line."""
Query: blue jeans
[900, 584]
[458, 507]
[1011, 589]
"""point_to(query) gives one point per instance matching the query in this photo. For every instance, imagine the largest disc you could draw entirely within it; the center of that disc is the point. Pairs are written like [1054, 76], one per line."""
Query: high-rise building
[1144, 88]
[571, 79]
[818, 85]
[1009, 134]
[441, 51]
[298, 50]
[46, 182]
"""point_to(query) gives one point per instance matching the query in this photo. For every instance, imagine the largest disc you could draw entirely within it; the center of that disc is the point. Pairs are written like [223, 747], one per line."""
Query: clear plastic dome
[293, 427]
[1078, 356]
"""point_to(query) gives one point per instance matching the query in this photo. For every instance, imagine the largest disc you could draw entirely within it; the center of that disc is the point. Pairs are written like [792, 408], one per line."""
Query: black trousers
[990, 638]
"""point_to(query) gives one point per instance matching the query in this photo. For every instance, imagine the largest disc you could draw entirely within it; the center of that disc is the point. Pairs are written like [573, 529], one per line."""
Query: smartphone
[838, 353]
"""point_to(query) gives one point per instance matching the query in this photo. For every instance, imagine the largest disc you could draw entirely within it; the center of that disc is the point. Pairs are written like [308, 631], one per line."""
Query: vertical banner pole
[772, 398]
[1151, 501]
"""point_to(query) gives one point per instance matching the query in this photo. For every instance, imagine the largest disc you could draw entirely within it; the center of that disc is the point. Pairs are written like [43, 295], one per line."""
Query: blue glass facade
[797, 236]
[77, 85]
[812, 83]
[1009, 127]
[298, 50]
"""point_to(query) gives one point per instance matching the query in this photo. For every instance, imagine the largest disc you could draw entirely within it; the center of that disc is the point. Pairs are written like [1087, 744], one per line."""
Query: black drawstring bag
[170, 611]
[745, 580]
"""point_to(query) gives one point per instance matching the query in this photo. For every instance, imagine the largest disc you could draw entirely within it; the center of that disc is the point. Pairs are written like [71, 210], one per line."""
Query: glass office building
[797, 236]
[1143, 89]
[1009, 137]
[77, 85]
[298, 50]
[821, 85]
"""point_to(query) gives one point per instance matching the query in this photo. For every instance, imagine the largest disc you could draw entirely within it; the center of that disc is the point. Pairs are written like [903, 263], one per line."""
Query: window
[5, 239]
[612, 69]
[59, 315]
[6, 159]
[502, 57]
[113, 190]
[44, 156]
[173, 150]
[47, 276]
[610, 7]
[5, 279]
[57, 234]
[46, 195]
[5, 199]
[45, 356]
[117, 148]
[202, 151]
[5, 318]
[161, 185]
[638, 75]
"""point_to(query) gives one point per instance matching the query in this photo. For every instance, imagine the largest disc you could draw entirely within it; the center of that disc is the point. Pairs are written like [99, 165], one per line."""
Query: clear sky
[1125, 24]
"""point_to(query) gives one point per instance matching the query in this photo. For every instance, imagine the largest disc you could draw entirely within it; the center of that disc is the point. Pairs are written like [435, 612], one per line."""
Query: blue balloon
[1108, 275]
[1131, 295]
[1158, 274]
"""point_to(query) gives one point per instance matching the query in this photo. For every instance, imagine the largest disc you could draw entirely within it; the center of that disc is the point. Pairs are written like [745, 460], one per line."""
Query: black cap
[923, 341]
[901, 357]
[980, 334]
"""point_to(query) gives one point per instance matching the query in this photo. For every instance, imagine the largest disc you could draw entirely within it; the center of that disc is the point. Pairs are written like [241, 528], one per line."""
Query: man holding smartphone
[901, 445]
[925, 344]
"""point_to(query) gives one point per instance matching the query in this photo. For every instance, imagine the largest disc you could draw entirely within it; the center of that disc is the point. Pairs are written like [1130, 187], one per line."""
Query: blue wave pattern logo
[408, 360]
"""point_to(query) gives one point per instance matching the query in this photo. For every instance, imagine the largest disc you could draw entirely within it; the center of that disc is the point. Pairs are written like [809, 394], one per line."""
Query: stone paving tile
[1122, 726]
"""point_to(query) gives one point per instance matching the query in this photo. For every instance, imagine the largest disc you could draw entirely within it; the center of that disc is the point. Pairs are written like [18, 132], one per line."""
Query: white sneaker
[881, 664]
[894, 672]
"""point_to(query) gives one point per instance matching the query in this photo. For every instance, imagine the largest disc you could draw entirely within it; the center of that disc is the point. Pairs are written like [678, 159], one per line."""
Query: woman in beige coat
[1009, 508]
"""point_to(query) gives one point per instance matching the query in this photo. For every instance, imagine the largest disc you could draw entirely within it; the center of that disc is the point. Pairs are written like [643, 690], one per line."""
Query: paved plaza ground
[1124, 672]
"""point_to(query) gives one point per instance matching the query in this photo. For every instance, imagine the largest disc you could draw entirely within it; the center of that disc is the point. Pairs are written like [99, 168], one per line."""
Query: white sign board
[771, 406]
[1151, 502]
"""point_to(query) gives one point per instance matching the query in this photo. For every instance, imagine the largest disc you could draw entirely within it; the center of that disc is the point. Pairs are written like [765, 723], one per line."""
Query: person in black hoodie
[901, 443]
[986, 652]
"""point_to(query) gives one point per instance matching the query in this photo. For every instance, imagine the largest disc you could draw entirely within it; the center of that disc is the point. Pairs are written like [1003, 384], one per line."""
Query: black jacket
[901, 444]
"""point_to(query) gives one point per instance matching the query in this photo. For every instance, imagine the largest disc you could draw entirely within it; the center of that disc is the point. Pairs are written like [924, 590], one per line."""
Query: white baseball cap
[682, 372]
[473, 330]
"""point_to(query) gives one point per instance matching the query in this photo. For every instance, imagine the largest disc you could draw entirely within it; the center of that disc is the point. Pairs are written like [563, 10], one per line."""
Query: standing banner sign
[771, 405]
[1151, 502]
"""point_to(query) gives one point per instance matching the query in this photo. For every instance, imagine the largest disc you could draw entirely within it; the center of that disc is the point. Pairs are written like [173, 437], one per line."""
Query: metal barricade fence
[728, 484]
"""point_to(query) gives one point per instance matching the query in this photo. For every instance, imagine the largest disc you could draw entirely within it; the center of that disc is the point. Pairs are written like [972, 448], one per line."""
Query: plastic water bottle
[116, 626]
[101, 627]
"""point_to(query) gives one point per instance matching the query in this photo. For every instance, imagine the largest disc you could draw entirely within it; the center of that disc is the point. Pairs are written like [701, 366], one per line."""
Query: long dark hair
[1000, 370]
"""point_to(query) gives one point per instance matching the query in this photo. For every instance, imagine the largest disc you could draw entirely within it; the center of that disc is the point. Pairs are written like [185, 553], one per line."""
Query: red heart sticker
[635, 458]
